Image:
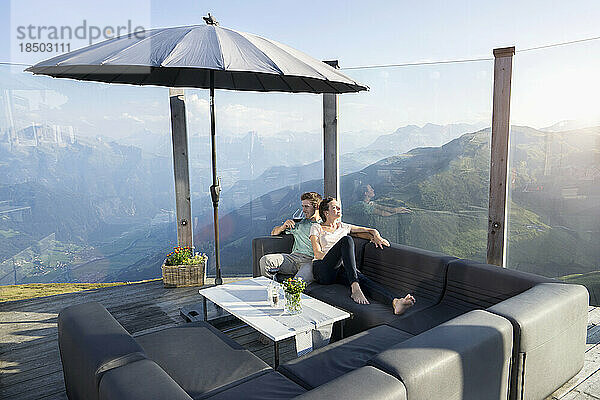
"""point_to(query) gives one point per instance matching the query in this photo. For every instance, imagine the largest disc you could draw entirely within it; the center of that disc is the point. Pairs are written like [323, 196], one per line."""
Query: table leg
[342, 323]
[204, 309]
[276, 355]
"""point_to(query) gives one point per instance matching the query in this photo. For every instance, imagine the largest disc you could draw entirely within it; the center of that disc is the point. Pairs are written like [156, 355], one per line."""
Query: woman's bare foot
[357, 294]
[403, 304]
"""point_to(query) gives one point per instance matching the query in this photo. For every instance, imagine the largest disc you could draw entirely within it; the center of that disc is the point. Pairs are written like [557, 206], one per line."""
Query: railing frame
[497, 216]
[181, 167]
[331, 159]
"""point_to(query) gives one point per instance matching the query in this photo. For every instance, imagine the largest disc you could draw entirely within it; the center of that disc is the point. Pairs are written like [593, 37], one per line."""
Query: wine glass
[273, 288]
[298, 215]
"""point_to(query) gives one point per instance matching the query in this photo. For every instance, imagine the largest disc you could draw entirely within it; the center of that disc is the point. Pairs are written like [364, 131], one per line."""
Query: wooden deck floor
[30, 365]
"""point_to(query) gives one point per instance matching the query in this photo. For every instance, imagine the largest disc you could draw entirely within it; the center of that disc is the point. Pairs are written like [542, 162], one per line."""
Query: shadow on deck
[30, 365]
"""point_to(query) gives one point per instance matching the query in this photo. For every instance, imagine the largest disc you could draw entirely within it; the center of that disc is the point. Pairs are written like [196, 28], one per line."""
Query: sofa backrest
[472, 285]
[269, 245]
[92, 342]
[359, 250]
[283, 244]
[405, 269]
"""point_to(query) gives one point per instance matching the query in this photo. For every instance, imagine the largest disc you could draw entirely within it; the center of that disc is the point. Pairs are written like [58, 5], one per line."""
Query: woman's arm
[375, 237]
[316, 247]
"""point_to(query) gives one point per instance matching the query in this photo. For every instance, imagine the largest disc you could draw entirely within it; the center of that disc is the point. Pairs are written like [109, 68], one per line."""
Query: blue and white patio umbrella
[200, 56]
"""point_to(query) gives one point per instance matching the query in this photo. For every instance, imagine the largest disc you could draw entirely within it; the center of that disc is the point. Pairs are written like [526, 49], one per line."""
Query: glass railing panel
[86, 180]
[554, 197]
[415, 155]
[269, 151]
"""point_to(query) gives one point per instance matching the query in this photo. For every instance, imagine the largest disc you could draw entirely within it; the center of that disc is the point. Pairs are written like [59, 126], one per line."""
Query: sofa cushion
[182, 352]
[472, 285]
[415, 323]
[364, 316]
[328, 363]
[141, 380]
[269, 386]
[467, 357]
[91, 342]
[366, 383]
[405, 269]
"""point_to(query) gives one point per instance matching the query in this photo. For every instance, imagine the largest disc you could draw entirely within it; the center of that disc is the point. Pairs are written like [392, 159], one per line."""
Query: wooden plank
[181, 167]
[56, 396]
[33, 389]
[331, 160]
[499, 155]
[593, 337]
[594, 316]
[590, 367]
[589, 388]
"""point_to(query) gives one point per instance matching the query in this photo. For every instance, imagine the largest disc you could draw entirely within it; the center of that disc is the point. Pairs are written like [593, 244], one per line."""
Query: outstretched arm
[370, 233]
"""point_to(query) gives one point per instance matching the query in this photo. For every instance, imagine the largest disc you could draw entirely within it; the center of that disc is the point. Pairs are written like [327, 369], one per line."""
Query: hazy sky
[549, 85]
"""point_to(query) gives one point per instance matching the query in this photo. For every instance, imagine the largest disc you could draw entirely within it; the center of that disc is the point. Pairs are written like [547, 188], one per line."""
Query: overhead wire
[417, 63]
[456, 61]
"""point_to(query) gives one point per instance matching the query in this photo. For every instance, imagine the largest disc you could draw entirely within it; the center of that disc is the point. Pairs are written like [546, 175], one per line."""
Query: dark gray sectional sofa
[548, 318]
[477, 332]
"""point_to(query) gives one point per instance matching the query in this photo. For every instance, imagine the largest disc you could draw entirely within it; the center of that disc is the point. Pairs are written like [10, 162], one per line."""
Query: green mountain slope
[437, 198]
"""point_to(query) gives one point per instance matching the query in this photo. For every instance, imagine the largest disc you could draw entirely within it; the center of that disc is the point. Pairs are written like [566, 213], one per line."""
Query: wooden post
[180, 167]
[499, 156]
[331, 161]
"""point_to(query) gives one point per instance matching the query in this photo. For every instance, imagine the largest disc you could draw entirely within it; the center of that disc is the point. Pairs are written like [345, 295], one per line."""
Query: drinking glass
[273, 289]
[298, 215]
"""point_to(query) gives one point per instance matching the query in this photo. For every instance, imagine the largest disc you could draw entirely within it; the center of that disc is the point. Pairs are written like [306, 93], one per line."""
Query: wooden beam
[180, 167]
[499, 156]
[331, 161]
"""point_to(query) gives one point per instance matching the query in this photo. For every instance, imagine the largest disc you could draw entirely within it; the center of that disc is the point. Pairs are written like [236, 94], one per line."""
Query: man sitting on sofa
[299, 261]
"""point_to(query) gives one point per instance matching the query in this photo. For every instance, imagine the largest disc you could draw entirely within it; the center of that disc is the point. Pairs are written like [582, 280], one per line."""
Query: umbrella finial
[210, 20]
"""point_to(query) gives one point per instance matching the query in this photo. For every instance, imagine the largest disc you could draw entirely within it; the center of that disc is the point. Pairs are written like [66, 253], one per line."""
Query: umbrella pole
[215, 189]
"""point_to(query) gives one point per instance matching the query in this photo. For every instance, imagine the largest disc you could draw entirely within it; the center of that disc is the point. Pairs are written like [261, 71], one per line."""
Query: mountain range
[99, 200]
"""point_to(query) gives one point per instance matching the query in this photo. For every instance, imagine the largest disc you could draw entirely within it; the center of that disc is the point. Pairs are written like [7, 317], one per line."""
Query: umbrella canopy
[184, 56]
[200, 56]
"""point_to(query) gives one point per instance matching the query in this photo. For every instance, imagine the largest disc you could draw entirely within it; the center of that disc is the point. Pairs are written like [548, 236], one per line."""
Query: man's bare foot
[357, 294]
[403, 304]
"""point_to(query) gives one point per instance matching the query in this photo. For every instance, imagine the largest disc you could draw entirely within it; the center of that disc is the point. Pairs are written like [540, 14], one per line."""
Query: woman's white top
[328, 239]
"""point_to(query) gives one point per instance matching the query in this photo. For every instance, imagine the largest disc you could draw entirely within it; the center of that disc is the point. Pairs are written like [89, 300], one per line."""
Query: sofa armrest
[91, 342]
[366, 383]
[269, 245]
[140, 380]
[550, 326]
[467, 357]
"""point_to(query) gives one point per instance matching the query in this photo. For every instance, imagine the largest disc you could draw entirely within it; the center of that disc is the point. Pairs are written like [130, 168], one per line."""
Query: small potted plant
[184, 267]
[293, 288]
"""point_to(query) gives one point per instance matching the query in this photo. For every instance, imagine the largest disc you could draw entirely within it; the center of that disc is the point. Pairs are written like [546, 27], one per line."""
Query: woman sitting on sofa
[334, 260]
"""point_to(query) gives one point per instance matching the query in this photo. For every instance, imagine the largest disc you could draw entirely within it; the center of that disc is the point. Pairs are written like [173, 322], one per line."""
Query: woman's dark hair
[324, 206]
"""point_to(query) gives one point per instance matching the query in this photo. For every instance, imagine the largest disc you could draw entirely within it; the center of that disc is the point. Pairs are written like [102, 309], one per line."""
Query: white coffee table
[247, 300]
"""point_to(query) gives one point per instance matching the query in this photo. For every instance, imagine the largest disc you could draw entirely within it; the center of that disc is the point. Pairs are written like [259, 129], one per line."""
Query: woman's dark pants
[339, 266]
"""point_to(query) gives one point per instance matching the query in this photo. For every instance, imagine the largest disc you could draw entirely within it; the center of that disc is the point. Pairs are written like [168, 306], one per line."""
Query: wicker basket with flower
[184, 267]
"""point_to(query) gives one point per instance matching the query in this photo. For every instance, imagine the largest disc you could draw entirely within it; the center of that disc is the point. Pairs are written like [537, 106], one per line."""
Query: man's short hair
[314, 197]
